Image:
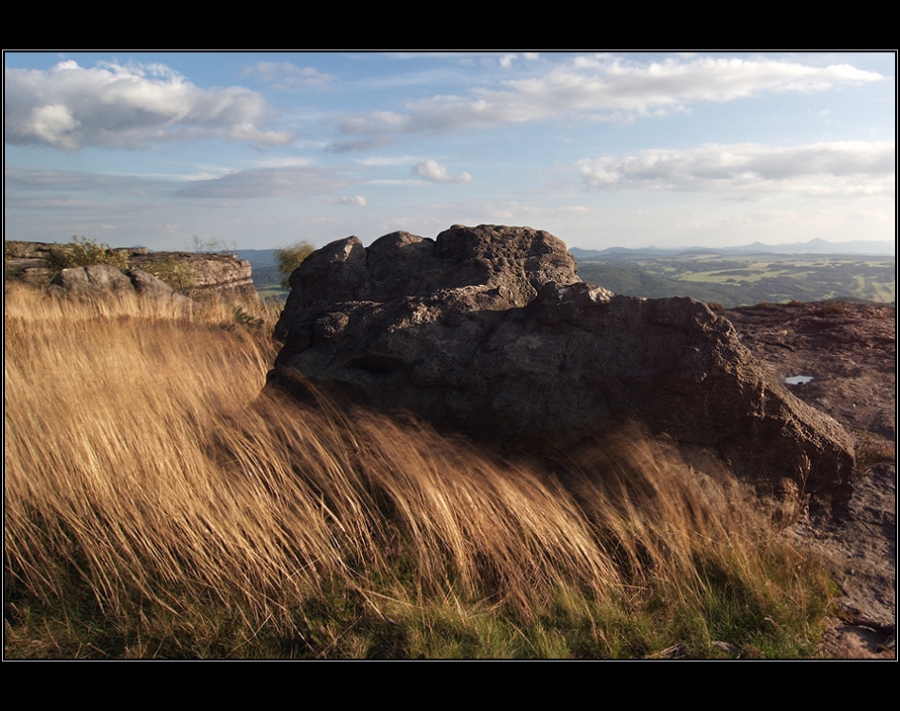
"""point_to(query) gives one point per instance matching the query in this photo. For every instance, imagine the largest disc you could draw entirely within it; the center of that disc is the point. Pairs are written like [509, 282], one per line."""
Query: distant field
[745, 280]
[267, 280]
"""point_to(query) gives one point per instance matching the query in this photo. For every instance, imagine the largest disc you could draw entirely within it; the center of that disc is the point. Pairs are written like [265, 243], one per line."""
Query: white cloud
[507, 59]
[599, 87]
[352, 200]
[839, 169]
[292, 182]
[385, 160]
[384, 181]
[279, 162]
[126, 106]
[23, 180]
[55, 125]
[285, 75]
[246, 131]
[436, 172]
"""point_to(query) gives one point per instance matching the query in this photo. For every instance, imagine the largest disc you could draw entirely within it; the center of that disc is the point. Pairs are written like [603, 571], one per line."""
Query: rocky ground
[849, 351]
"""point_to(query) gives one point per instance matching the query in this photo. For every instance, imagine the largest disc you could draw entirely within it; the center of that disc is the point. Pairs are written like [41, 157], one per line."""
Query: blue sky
[260, 150]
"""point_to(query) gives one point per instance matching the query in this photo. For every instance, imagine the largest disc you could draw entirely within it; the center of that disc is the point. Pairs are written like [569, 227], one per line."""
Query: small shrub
[83, 252]
[247, 320]
[173, 271]
[290, 258]
[10, 250]
[831, 309]
[871, 449]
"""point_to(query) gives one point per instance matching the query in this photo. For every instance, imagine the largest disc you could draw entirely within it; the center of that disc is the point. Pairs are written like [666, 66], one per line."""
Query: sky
[262, 150]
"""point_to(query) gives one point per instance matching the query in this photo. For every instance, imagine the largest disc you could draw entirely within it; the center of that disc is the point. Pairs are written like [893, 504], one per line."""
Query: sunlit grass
[158, 506]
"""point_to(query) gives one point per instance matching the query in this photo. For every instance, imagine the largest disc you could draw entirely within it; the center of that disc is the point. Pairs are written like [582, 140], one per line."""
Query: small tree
[212, 244]
[290, 258]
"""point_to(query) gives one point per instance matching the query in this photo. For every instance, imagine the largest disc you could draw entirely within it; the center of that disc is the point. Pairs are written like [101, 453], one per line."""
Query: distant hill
[257, 257]
[813, 246]
[633, 281]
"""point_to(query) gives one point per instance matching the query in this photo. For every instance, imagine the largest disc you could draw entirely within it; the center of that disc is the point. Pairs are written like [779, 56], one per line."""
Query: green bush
[290, 258]
[83, 252]
[173, 271]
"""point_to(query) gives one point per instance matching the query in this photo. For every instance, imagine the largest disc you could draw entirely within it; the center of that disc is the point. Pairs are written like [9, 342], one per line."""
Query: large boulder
[490, 332]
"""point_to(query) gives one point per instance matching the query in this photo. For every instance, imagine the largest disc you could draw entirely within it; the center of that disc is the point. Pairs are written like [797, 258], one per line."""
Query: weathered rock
[504, 266]
[489, 331]
[204, 275]
[31, 271]
[849, 350]
[105, 280]
[218, 276]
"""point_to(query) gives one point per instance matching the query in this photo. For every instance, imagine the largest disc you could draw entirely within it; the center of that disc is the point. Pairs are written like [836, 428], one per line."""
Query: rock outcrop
[218, 276]
[104, 280]
[201, 275]
[489, 331]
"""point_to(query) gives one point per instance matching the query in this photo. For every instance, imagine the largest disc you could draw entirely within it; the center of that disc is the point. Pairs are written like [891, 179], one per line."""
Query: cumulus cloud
[852, 168]
[293, 182]
[436, 172]
[506, 61]
[54, 124]
[286, 76]
[601, 87]
[125, 106]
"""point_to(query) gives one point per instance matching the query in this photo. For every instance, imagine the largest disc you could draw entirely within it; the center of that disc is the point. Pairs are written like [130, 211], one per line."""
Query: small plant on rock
[174, 272]
[83, 252]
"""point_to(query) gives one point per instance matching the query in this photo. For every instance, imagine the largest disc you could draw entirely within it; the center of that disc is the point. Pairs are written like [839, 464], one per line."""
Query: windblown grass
[157, 505]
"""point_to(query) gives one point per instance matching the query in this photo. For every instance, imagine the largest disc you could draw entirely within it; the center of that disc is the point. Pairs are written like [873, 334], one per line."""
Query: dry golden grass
[151, 490]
